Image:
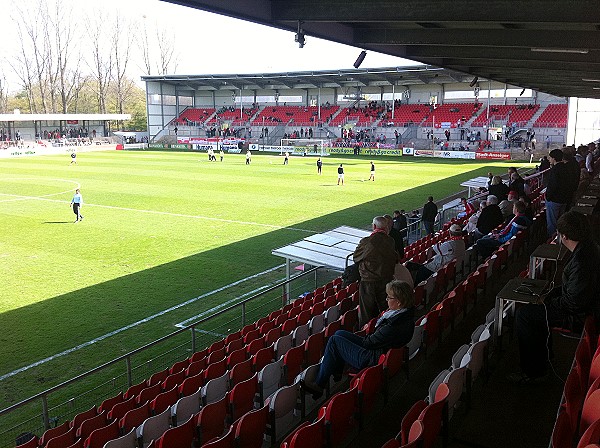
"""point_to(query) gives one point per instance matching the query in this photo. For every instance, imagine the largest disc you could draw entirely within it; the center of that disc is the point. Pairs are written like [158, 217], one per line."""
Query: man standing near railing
[430, 211]
[557, 193]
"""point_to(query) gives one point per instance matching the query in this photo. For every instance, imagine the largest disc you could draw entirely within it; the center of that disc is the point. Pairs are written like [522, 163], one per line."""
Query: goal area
[307, 146]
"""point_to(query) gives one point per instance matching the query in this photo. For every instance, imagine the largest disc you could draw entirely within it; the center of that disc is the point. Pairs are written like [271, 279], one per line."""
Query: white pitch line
[222, 305]
[17, 197]
[135, 324]
[157, 212]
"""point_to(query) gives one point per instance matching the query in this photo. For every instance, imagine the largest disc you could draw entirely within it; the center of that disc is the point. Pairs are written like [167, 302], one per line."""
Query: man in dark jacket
[400, 222]
[558, 193]
[430, 211]
[576, 298]
[376, 259]
[573, 173]
[490, 218]
[393, 329]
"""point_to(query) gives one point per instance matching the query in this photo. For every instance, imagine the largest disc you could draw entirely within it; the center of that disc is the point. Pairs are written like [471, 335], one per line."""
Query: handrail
[243, 302]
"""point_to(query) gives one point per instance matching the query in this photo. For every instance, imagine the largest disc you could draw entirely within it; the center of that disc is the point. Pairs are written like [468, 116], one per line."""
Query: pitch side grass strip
[149, 318]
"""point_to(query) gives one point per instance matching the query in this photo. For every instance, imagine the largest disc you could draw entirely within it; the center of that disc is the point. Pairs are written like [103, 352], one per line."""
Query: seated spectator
[517, 183]
[566, 305]
[471, 225]
[440, 254]
[529, 212]
[489, 243]
[498, 188]
[490, 218]
[402, 273]
[469, 208]
[506, 206]
[394, 329]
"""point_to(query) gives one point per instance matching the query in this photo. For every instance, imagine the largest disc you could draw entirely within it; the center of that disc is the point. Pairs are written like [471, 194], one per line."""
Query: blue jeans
[343, 348]
[428, 227]
[553, 211]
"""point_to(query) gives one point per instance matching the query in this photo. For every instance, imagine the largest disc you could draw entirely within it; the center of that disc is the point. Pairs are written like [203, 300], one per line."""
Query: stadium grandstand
[238, 377]
[395, 107]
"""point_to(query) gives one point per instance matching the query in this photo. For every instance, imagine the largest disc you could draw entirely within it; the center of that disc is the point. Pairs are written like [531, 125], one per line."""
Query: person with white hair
[441, 254]
[376, 258]
[490, 218]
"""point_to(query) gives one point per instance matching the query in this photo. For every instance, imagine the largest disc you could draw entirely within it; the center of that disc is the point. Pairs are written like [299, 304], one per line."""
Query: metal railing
[65, 400]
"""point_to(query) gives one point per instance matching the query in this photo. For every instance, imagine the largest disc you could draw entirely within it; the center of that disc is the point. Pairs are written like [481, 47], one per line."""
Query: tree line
[67, 62]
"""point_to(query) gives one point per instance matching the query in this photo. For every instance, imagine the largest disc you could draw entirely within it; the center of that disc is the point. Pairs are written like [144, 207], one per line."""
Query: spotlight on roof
[360, 59]
[474, 81]
[299, 37]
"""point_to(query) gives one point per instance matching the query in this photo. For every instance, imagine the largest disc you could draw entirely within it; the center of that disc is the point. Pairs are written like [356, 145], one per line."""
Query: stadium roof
[64, 117]
[348, 78]
[552, 46]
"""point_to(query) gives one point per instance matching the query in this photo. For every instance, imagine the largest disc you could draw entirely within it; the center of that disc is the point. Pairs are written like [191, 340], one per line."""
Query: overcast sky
[210, 43]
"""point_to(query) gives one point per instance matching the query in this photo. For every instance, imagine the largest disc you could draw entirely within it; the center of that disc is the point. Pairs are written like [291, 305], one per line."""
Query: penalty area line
[135, 324]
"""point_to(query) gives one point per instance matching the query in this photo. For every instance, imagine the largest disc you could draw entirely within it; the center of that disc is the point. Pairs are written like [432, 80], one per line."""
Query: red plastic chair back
[210, 421]
[340, 416]
[241, 397]
[250, 428]
[191, 385]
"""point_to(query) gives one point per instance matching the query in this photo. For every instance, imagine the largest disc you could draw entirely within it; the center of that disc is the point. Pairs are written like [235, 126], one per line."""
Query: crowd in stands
[385, 306]
[296, 133]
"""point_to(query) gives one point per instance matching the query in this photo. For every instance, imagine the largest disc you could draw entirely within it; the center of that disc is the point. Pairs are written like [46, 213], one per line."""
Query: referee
[76, 203]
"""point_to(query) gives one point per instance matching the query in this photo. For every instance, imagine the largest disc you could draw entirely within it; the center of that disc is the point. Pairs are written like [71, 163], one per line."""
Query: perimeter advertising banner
[367, 151]
[454, 154]
[492, 155]
[270, 148]
[444, 154]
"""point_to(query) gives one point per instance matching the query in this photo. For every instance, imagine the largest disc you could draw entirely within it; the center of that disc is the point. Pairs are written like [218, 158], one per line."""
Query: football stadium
[390, 257]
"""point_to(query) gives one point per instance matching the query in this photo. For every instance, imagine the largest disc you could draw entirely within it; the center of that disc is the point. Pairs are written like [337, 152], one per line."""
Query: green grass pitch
[161, 228]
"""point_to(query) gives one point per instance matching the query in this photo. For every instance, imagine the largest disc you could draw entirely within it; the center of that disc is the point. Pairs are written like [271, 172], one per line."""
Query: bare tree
[32, 25]
[167, 58]
[157, 52]
[144, 46]
[100, 61]
[22, 66]
[121, 48]
[67, 71]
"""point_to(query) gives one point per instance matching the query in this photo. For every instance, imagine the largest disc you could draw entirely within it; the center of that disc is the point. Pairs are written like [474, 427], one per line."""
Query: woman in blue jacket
[393, 329]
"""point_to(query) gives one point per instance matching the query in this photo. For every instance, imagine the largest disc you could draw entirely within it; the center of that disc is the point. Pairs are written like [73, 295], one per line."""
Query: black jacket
[391, 333]
[490, 218]
[558, 189]
[580, 290]
[500, 191]
[430, 210]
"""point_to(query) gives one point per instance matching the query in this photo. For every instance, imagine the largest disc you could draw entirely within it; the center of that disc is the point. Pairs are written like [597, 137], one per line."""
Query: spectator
[564, 306]
[544, 164]
[469, 208]
[471, 225]
[498, 188]
[490, 218]
[396, 236]
[573, 172]
[557, 195]
[376, 258]
[441, 254]
[393, 329]
[430, 211]
[400, 222]
[506, 206]
[517, 183]
[488, 244]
